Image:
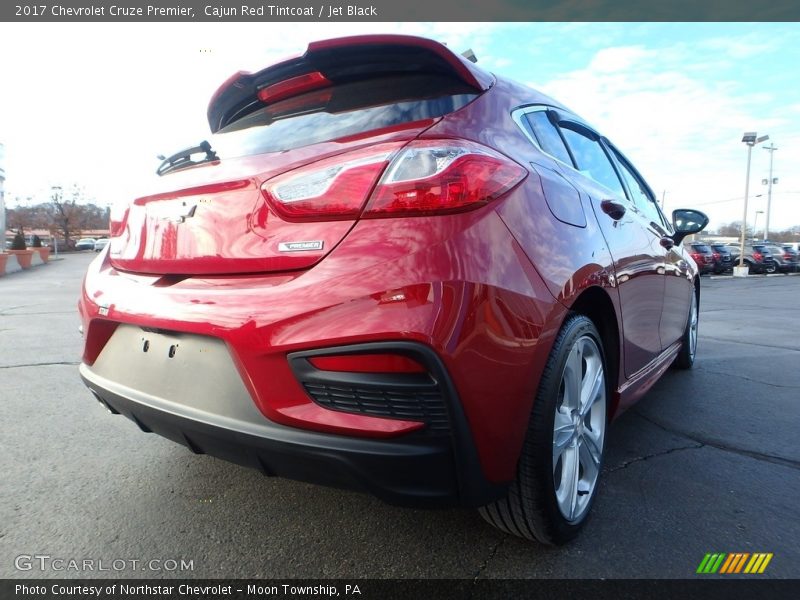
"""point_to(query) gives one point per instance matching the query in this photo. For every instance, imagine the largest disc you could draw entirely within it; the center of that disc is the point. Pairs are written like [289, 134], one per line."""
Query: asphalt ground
[708, 461]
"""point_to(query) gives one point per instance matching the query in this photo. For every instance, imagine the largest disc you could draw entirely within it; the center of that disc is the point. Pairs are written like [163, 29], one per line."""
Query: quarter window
[548, 136]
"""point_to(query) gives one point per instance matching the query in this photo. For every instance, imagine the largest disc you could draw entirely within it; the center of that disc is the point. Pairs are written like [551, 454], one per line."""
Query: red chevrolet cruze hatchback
[388, 269]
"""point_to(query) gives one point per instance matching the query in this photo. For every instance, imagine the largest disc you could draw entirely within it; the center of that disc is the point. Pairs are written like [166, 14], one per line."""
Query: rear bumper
[415, 470]
[488, 318]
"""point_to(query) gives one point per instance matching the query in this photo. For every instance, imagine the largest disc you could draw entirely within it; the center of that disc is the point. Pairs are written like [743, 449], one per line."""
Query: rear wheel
[562, 456]
[771, 267]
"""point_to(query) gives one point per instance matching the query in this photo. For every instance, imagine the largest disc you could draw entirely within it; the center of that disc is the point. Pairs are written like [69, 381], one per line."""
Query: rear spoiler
[342, 59]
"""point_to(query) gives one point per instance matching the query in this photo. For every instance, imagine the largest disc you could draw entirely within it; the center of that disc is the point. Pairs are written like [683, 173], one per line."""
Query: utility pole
[771, 149]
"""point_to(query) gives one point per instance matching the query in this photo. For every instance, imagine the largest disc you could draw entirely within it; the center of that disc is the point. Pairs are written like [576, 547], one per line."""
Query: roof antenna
[469, 55]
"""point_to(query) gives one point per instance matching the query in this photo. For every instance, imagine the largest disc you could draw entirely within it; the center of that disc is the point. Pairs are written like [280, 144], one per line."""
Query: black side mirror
[686, 221]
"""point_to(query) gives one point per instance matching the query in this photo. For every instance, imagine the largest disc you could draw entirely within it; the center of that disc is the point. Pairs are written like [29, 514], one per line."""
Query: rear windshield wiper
[182, 159]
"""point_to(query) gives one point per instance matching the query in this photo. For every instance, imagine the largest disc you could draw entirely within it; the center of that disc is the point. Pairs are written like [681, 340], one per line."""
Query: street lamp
[751, 139]
[771, 149]
[755, 224]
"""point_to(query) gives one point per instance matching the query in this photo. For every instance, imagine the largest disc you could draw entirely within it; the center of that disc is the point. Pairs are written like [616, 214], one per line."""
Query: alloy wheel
[579, 428]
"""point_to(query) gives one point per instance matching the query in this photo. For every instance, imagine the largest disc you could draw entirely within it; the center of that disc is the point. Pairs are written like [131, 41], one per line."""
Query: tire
[544, 503]
[685, 358]
[771, 267]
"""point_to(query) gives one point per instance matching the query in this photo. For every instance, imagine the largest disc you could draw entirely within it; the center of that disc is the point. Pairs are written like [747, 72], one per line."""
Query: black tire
[771, 267]
[530, 508]
[688, 351]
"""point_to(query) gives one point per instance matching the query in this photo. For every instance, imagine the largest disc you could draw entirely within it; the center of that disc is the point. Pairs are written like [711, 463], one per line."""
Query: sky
[94, 104]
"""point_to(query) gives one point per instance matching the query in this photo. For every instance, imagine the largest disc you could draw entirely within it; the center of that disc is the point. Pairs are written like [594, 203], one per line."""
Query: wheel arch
[596, 304]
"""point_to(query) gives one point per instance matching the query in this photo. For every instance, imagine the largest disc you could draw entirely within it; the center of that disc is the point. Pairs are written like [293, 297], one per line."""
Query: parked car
[723, 258]
[85, 244]
[785, 257]
[791, 254]
[703, 256]
[388, 269]
[757, 259]
[100, 244]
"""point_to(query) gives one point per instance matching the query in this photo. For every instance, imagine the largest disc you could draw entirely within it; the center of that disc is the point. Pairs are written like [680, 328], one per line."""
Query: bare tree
[66, 212]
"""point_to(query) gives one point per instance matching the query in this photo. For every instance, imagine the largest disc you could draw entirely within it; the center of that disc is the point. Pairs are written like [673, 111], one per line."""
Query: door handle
[667, 242]
[615, 210]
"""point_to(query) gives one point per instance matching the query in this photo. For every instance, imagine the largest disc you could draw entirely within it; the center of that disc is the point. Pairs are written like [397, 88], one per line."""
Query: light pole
[56, 189]
[771, 149]
[755, 224]
[751, 139]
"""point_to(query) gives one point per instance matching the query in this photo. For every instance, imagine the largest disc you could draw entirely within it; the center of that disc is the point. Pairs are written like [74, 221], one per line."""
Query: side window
[592, 159]
[548, 136]
[640, 196]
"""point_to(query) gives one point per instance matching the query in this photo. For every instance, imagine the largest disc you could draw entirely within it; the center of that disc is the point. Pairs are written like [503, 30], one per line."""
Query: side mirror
[686, 221]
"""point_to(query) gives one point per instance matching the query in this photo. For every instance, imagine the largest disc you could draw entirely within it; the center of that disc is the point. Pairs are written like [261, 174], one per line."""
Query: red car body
[459, 304]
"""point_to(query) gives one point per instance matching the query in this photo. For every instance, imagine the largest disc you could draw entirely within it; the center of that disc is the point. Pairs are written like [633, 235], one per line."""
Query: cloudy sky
[95, 103]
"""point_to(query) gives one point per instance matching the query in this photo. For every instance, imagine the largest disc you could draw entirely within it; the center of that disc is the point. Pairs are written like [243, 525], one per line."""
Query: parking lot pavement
[707, 462]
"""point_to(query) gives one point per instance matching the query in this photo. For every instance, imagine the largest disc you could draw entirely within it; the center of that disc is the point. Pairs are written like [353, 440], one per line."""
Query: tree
[19, 242]
[67, 214]
[734, 229]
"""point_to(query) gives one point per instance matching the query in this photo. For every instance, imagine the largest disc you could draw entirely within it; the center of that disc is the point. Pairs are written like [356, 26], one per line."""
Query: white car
[85, 244]
[100, 244]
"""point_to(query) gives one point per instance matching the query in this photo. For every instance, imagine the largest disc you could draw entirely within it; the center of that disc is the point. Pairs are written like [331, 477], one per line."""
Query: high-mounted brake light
[442, 176]
[293, 87]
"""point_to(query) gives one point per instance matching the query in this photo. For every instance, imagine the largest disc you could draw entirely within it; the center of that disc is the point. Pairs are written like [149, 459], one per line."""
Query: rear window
[702, 248]
[341, 111]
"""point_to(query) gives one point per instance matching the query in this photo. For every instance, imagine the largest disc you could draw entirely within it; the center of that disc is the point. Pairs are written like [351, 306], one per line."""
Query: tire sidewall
[539, 458]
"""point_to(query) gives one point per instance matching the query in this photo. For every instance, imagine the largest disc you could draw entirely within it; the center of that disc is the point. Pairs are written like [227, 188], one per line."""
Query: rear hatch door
[208, 214]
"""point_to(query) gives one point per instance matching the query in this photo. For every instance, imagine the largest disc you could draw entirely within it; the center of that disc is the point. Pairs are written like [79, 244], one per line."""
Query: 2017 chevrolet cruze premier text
[390, 270]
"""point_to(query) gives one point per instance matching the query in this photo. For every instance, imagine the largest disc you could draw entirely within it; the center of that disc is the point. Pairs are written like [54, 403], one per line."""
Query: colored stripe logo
[734, 562]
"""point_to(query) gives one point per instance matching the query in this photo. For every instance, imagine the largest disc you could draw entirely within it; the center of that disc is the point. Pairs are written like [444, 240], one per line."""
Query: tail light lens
[332, 189]
[758, 256]
[117, 219]
[431, 177]
[717, 256]
[426, 177]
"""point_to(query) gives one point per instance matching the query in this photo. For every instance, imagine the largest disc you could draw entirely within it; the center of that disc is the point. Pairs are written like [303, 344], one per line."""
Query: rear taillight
[426, 177]
[117, 218]
[367, 363]
[787, 256]
[331, 189]
[758, 256]
[717, 256]
[442, 176]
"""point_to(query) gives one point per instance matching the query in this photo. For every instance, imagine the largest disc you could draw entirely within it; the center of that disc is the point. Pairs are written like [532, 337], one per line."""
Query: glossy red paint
[487, 290]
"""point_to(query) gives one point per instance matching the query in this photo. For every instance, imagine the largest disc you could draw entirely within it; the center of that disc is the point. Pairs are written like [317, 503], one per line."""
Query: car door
[638, 257]
[678, 283]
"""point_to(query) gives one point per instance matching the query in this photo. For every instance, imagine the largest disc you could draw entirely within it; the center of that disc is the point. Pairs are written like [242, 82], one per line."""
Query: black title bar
[397, 10]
